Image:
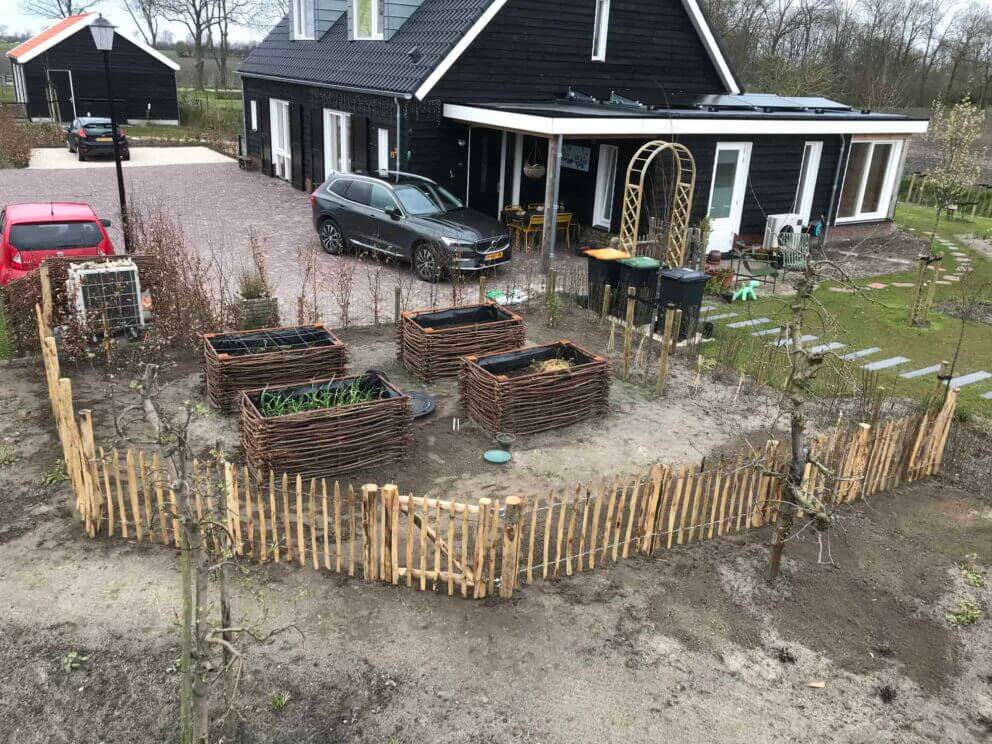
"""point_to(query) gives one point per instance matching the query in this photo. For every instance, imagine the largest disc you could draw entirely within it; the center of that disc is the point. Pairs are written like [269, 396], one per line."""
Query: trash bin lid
[681, 274]
[641, 262]
[607, 254]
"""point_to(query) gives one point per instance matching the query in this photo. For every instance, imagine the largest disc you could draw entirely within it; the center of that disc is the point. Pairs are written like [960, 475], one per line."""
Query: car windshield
[53, 236]
[425, 199]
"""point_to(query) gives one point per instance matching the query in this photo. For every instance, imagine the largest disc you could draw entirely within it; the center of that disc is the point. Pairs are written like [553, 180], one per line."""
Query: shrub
[18, 138]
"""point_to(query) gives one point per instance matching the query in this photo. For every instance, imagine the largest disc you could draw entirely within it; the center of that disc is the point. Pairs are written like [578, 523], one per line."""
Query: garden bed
[532, 390]
[326, 427]
[247, 360]
[431, 343]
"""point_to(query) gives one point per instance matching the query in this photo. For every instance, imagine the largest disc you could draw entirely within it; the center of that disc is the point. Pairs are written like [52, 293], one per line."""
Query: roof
[370, 66]
[59, 32]
[720, 114]
[48, 211]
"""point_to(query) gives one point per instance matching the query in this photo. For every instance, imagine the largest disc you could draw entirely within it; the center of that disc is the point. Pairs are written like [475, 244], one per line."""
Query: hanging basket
[535, 171]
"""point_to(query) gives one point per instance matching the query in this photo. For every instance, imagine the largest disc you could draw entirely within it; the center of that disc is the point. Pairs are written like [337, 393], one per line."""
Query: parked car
[30, 233]
[409, 218]
[93, 135]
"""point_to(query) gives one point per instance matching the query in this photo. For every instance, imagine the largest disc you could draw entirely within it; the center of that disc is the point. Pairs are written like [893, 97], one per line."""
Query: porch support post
[551, 199]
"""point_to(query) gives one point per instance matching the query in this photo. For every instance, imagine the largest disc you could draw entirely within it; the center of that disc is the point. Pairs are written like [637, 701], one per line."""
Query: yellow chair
[564, 224]
[533, 226]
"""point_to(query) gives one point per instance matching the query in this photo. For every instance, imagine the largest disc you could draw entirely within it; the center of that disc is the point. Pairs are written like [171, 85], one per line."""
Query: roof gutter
[329, 86]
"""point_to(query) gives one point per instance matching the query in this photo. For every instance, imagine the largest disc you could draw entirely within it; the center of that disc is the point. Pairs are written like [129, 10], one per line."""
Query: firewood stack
[536, 389]
[329, 441]
[245, 360]
[432, 342]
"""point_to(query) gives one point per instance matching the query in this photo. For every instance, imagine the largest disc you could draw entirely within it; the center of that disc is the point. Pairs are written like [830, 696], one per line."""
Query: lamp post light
[103, 37]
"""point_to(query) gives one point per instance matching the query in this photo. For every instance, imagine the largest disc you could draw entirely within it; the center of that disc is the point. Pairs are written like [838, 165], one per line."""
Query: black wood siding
[369, 113]
[138, 79]
[536, 49]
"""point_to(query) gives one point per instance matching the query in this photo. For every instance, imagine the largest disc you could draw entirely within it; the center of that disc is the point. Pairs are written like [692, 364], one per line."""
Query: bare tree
[146, 17]
[198, 17]
[57, 8]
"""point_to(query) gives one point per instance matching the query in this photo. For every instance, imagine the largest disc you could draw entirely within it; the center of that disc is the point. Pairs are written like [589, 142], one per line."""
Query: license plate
[495, 256]
[104, 139]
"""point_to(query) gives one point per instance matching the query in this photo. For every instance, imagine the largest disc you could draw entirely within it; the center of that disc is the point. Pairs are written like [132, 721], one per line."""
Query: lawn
[878, 318]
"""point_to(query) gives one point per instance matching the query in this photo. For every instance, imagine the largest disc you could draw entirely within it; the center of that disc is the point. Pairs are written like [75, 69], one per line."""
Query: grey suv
[408, 218]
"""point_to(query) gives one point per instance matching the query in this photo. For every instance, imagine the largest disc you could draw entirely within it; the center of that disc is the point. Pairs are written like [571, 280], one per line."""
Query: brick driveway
[217, 205]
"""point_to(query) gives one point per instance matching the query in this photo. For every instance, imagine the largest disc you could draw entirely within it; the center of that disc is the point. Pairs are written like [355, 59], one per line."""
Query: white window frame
[891, 174]
[604, 201]
[282, 149]
[376, 21]
[600, 30]
[805, 192]
[337, 155]
[254, 115]
[382, 148]
[20, 88]
[303, 17]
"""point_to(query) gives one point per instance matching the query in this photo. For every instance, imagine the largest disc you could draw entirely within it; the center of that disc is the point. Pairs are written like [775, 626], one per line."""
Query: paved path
[48, 158]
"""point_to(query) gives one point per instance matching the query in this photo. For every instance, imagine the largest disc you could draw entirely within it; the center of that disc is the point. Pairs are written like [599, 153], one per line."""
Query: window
[282, 157]
[808, 171]
[20, 89]
[382, 199]
[303, 19]
[337, 142]
[606, 176]
[383, 150]
[601, 30]
[869, 180]
[366, 20]
[254, 116]
[360, 192]
[340, 187]
[50, 236]
[422, 199]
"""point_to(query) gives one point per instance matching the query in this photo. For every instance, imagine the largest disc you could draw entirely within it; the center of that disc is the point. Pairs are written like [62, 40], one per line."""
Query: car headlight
[457, 243]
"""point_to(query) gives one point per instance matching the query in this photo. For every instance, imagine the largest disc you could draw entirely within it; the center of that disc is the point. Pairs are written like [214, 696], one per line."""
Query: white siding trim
[606, 126]
[705, 34]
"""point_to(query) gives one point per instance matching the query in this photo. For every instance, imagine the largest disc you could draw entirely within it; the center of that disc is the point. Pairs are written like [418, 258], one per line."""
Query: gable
[542, 47]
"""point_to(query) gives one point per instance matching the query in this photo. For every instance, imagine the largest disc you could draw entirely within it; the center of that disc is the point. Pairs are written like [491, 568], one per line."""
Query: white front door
[606, 178]
[727, 191]
[282, 156]
[337, 142]
[382, 147]
[808, 172]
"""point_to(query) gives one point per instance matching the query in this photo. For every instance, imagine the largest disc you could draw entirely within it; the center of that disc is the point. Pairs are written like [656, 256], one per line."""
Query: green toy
[746, 292]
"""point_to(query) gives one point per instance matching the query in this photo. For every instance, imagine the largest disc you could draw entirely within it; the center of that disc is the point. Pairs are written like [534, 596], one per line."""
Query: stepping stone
[788, 341]
[707, 308]
[886, 363]
[952, 278]
[941, 281]
[987, 396]
[903, 285]
[767, 332]
[860, 354]
[748, 323]
[920, 372]
[969, 379]
[843, 290]
[877, 285]
[722, 317]
[823, 348]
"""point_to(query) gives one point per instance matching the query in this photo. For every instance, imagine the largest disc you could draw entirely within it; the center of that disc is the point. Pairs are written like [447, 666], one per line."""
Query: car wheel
[427, 263]
[82, 157]
[332, 240]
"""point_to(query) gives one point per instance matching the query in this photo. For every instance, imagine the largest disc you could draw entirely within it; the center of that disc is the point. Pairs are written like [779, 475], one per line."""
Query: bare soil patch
[874, 255]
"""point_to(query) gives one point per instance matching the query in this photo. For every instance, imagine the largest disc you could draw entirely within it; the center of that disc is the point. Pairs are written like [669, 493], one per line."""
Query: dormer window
[601, 30]
[367, 19]
[302, 12]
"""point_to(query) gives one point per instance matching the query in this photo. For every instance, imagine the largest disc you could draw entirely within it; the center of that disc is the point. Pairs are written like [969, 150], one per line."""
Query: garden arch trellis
[681, 204]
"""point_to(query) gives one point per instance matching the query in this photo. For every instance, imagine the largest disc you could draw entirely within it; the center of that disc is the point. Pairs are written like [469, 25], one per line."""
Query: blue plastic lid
[497, 457]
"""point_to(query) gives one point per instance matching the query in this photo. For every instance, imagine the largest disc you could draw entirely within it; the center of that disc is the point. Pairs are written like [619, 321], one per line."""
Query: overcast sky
[16, 20]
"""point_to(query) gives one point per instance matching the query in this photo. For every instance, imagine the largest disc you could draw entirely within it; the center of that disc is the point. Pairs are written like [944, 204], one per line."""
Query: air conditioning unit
[107, 296]
[778, 224]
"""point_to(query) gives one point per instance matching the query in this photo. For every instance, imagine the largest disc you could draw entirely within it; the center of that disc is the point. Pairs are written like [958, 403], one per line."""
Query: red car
[32, 232]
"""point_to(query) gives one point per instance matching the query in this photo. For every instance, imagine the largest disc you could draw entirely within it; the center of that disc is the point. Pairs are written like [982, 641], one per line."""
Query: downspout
[399, 151]
[831, 209]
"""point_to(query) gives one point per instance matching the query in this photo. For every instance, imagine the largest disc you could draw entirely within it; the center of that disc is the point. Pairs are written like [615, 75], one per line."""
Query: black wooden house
[471, 92]
[59, 74]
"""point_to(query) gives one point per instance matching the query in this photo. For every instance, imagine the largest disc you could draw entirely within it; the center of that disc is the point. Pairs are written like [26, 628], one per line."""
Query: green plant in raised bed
[282, 404]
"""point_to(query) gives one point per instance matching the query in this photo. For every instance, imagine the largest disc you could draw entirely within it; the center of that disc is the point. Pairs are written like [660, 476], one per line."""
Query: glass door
[282, 156]
[727, 191]
[808, 172]
[606, 178]
[336, 145]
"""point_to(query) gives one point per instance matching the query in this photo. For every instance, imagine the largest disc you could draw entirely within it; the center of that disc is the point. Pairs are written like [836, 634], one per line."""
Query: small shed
[59, 76]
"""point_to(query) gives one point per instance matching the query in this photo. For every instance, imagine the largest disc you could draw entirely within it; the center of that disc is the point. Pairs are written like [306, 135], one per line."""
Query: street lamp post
[103, 37]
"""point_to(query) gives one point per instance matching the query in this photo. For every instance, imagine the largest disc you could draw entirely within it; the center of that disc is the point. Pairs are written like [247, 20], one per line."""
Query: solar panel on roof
[815, 102]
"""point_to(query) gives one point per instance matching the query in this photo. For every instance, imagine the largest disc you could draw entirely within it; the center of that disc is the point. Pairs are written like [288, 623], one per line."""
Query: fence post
[91, 478]
[628, 331]
[46, 295]
[369, 490]
[397, 304]
[666, 346]
[391, 505]
[607, 299]
[511, 547]
[482, 289]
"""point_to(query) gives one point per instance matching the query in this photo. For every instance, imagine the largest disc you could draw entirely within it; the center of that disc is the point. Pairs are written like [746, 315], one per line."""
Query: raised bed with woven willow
[327, 441]
[432, 342]
[532, 390]
[246, 360]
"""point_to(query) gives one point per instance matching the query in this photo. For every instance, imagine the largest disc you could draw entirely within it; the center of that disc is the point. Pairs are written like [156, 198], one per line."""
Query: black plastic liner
[502, 364]
[462, 316]
[279, 339]
[368, 384]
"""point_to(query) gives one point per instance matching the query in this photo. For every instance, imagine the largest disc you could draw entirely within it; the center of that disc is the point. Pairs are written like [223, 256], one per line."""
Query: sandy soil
[691, 645]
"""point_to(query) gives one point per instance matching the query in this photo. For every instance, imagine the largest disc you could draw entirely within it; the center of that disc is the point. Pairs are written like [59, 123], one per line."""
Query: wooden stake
[337, 526]
[274, 515]
[628, 331]
[511, 547]
[604, 310]
[666, 347]
[132, 487]
[301, 550]
[287, 528]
